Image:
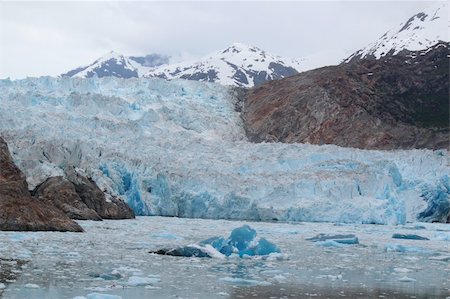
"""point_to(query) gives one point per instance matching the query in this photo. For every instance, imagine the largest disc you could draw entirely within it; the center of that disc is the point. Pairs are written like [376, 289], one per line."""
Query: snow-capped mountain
[118, 65]
[419, 32]
[238, 65]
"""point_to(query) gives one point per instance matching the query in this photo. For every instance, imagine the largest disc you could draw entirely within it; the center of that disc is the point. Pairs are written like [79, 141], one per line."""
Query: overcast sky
[49, 38]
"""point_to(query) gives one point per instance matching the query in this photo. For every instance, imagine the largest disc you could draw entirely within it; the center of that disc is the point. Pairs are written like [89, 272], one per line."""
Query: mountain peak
[112, 54]
[111, 64]
[237, 48]
[419, 32]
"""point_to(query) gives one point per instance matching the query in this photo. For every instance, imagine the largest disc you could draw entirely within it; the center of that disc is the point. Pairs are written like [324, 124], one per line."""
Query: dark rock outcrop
[18, 210]
[61, 193]
[109, 207]
[397, 102]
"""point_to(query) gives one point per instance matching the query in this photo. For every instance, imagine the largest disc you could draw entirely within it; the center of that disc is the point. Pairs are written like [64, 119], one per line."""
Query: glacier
[178, 148]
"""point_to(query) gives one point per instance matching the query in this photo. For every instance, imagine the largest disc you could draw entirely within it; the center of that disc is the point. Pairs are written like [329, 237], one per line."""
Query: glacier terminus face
[178, 148]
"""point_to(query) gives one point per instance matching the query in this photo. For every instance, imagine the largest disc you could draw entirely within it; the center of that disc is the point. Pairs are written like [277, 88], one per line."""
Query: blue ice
[242, 241]
[408, 237]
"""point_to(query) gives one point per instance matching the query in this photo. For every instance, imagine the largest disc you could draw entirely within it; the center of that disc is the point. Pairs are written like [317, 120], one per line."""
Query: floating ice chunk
[280, 278]
[150, 287]
[406, 279]
[142, 281]
[329, 243]
[225, 294]
[332, 277]
[402, 270]
[415, 226]
[276, 256]
[244, 282]
[402, 248]
[342, 239]
[408, 237]
[106, 276]
[440, 258]
[186, 251]
[102, 296]
[126, 269]
[31, 286]
[110, 276]
[242, 242]
[270, 272]
[2, 286]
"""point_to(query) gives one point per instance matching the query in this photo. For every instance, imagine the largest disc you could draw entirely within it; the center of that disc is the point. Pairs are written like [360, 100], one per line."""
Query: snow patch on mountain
[178, 148]
[419, 32]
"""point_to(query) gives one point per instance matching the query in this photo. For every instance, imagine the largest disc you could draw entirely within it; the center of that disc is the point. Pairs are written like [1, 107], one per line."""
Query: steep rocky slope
[18, 210]
[399, 101]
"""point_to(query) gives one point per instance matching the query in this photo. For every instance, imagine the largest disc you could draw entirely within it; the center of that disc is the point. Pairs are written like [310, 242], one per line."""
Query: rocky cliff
[18, 210]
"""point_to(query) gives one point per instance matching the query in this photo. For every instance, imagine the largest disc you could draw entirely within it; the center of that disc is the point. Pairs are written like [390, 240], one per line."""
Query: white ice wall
[178, 148]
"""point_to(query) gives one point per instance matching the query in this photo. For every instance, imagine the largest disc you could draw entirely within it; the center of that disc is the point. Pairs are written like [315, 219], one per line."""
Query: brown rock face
[61, 193]
[95, 199]
[18, 210]
[398, 102]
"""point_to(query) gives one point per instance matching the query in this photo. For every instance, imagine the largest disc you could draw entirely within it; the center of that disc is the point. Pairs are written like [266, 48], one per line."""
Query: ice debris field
[179, 148]
[112, 259]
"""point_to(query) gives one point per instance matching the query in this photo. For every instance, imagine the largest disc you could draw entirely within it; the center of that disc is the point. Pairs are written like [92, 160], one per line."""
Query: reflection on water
[112, 257]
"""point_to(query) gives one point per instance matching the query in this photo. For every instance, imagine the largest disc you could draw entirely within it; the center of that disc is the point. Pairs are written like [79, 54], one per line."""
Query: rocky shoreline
[54, 204]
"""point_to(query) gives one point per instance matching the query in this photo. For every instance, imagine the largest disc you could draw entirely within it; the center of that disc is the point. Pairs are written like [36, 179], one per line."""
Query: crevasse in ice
[178, 148]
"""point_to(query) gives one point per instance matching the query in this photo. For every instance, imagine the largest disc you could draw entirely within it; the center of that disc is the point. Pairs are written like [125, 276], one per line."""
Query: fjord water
[112, 257]
[179, 148]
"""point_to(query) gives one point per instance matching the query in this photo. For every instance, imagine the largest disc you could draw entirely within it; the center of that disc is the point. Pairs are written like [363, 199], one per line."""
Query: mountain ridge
[237, 65]
[419, 32]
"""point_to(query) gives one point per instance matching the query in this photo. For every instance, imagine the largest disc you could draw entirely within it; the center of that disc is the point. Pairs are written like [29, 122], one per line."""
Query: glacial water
[111, 258]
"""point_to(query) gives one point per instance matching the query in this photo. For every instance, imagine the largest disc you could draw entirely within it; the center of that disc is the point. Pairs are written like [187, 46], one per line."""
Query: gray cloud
[48, 38]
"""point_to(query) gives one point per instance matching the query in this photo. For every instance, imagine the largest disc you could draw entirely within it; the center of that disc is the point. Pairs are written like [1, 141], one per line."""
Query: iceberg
[331, 240]
[179, 148]
[403, 248]
[242, 242]
[142, 281]
[408, 237]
